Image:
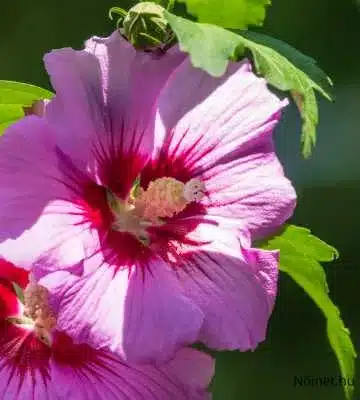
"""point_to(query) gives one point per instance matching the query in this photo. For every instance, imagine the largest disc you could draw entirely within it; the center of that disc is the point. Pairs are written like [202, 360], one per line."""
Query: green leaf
[285, 76]
[9, 113]
[300, 254]
[14, 96]
[300, 60]
[211, 47]
[237, 14]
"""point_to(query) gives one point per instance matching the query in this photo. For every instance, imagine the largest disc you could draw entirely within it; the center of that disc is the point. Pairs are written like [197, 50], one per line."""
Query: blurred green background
[328, 184]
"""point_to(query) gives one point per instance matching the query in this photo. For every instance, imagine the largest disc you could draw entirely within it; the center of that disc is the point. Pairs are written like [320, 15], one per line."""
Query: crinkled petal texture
[220, 131]
[234, 286]
[185, 377]
[216, 291]
[119, 113]
[252, 190]
[104, 109]
[31, 370]
[99, 129]
[39, 215]
[139, 312]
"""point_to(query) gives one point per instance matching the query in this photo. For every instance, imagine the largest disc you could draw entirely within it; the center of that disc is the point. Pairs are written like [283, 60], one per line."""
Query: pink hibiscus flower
[32, 367]
[136, 197]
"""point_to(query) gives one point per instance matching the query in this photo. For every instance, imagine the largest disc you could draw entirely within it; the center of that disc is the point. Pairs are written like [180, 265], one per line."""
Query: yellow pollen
[164, 198]
[38, 310]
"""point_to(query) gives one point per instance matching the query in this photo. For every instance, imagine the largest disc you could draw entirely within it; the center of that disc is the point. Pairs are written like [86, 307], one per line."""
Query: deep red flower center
[168, 229]
[23, 356]
[134, 228]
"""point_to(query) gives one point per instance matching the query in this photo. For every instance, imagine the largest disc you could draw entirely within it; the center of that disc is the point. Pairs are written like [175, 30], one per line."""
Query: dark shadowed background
[328, 184]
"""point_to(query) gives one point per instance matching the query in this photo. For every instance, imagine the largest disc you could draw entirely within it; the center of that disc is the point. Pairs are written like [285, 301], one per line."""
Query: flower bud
[145, 26]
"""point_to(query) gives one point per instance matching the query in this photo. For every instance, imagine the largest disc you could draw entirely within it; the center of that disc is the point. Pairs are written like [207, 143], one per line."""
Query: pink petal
[202, 120]
[139, 313]
[58, 239]
[131, 80]
[103, 110]
[252, 190]
[27, 166]
[37, 213]
[235, 287]
[194, 368]
[31, 370]
[111, 379]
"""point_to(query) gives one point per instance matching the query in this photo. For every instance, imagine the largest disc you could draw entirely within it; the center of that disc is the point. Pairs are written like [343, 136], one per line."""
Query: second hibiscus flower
[32, 367]
[135, 200]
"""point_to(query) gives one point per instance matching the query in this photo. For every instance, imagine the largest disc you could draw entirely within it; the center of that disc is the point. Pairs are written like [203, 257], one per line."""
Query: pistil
[37, 313]
[164, 198]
